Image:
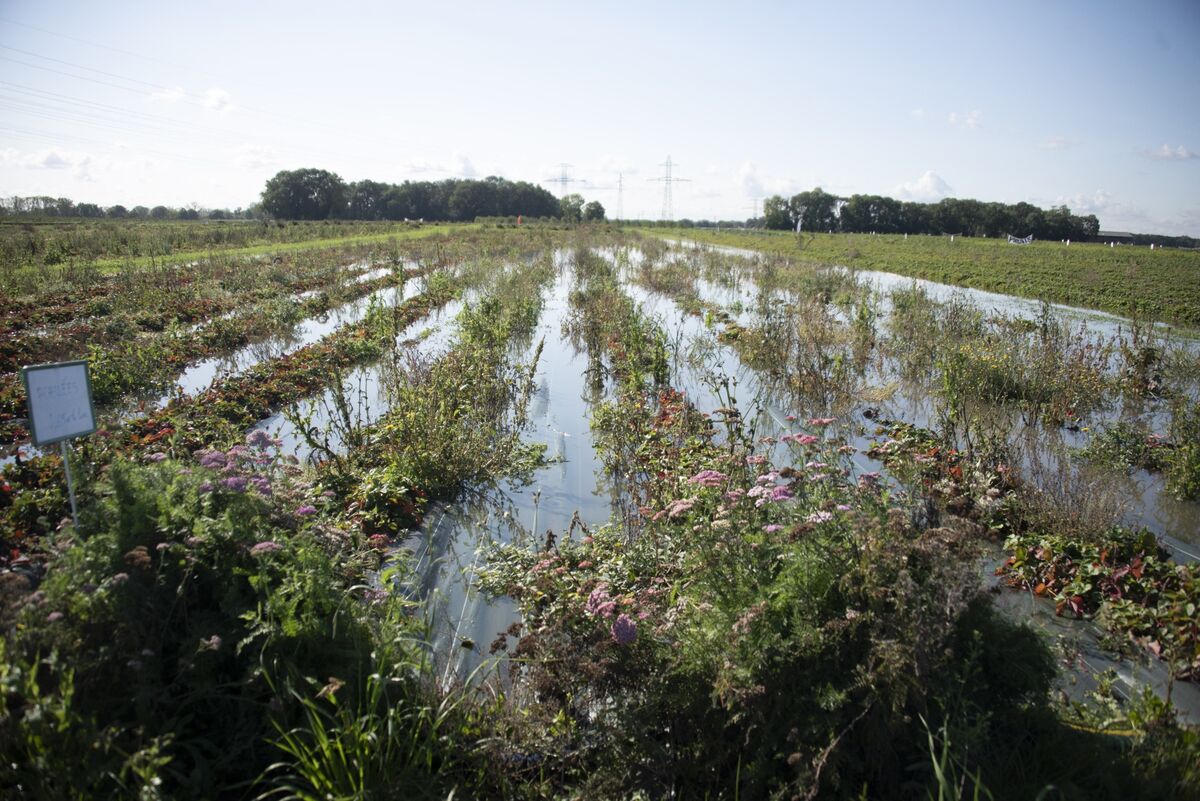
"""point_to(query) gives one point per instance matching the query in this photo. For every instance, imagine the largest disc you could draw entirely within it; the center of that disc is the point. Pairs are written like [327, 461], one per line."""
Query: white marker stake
[60, 408]
[70, 483]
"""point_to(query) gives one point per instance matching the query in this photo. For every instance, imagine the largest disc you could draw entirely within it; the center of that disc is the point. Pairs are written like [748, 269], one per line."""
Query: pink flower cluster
[709, 478]
[264, 548]
[600, 603]
[624, 630]
[676, 508]
[800, 439]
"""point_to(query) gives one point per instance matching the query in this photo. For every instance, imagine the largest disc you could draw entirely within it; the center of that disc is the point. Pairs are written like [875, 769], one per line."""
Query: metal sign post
[60, 409]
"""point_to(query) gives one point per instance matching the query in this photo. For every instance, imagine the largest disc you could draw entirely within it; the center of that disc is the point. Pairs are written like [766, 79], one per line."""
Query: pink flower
[259, 439]
[600, 603]
[624, 630]
[679, 507]
[266, 547]
[801, 439]
[211, 459]
[306, 510]
[819, 517]
[821, 421]
[772, 528]
[709, 478]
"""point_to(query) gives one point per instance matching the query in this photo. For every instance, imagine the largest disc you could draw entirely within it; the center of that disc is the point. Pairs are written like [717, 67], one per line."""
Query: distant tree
[471, 199]
[1089, 226]
[367, 200]
[88, 210]
[141, 212]
[160, 213]
[570, 207]
[306, 194]
[819, 210]
[117, 212]
[593, 212]
[189, 214]
[219, 214]
[777, 214]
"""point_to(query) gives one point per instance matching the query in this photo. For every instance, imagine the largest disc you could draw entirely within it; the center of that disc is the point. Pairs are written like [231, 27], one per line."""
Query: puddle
[1086, 656]
[201, 375]
[363, 386]
[449, 544]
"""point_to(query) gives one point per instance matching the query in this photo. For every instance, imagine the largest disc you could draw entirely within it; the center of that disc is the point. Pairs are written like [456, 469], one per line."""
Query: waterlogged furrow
[1098, 658]
[239, 401]
[906, 380]
[226, 410]
[154, 360]
[361, 395]
[200, 375]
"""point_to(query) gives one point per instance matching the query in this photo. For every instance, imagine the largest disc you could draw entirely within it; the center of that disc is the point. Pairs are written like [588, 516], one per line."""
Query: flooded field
[631, 489]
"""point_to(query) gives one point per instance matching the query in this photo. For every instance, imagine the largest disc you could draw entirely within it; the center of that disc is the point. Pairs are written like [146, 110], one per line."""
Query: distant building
[1114, 236]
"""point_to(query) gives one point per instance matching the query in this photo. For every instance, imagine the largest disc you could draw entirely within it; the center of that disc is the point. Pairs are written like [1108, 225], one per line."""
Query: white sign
[60, 401]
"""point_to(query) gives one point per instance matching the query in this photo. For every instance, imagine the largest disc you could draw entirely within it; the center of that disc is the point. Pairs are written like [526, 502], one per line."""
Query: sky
[1095, 105]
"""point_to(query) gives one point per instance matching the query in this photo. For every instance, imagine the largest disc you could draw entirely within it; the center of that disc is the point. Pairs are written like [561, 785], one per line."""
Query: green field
[110, 245]
[1161, 285]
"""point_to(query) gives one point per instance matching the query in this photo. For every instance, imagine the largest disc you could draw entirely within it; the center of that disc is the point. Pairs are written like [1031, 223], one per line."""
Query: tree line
[312, 194]
[46, 206]
[817, 210]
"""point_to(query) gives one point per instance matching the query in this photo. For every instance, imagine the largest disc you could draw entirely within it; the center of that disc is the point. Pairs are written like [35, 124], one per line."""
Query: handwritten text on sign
[60, 401]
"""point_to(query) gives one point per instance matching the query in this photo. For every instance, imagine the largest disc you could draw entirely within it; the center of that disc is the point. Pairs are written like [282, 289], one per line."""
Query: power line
[101, 116]
[562, 180]
[191, 97]
[668, 212]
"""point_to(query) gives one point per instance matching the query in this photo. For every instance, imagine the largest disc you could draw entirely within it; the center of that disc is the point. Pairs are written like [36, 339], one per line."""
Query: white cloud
[1058, 143]
[421, 165]
[614, 165]
[755, 184]
[928, 187]
[1168, 153]
[459, 166]
[1089, 204]
[1113, 213]
[254, 157]
[53, 158]
[967, 119]
[1083, 203]
[218, 100]
[917, 113]
[171, 95]
[462, 166]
